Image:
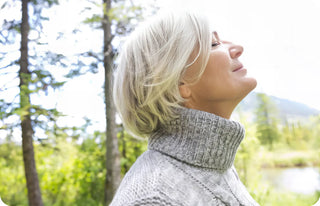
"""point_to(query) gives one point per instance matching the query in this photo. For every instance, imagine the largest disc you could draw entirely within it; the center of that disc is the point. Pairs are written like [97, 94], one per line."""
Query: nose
[235, 51]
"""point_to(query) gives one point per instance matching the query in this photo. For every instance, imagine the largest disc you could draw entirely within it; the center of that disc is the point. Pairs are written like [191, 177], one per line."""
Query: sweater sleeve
[218, 202]
[164, 201]
[154, 201]
[152, 198]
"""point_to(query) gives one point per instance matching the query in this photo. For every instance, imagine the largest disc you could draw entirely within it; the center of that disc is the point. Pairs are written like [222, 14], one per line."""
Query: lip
[238, 68]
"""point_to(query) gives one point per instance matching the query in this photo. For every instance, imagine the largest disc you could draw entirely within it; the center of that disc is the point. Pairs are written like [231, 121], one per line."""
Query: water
[299, 180]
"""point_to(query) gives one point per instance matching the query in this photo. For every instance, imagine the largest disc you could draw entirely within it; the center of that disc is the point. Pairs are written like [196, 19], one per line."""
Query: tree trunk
[124, 148]
[34, 193]
[112, 155]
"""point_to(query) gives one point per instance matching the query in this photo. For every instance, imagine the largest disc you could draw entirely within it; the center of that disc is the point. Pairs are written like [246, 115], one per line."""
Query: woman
[178, 83]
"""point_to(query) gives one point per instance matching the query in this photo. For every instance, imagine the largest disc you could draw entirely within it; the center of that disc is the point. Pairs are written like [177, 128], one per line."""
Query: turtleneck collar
[199, 138]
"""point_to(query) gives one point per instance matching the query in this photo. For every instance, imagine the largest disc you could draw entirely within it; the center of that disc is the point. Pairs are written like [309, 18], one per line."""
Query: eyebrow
[215, 34]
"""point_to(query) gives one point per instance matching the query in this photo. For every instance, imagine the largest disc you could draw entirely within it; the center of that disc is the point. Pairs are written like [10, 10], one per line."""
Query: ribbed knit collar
[199, 138]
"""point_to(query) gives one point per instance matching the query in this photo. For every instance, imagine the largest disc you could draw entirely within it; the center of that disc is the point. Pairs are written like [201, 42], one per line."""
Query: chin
[253, 84]
[250, 84]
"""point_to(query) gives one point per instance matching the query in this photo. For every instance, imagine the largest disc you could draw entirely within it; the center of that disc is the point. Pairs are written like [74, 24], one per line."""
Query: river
[299, 180]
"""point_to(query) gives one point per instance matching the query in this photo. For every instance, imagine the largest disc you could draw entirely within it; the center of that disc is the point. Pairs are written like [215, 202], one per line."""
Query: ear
[185, 91]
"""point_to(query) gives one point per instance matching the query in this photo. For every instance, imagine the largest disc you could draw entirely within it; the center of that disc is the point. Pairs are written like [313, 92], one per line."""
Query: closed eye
[214, 44]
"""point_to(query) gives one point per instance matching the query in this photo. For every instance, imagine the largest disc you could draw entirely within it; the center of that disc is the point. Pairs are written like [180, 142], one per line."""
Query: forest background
[71, 151]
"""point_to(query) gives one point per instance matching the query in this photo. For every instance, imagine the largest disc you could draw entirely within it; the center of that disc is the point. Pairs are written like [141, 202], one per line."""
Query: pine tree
[267, 122]
[34, 193]
[32, 78]
[118, 19]
[112, 156]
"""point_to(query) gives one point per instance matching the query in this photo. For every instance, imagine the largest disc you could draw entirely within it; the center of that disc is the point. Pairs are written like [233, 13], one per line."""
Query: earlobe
[185, 91]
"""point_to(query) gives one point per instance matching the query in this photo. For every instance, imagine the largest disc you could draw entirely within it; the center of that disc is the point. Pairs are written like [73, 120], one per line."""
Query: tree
[32, 79]
[34, 193]
[113, 177]
[267, 122]
[287, 134]
[118, 19]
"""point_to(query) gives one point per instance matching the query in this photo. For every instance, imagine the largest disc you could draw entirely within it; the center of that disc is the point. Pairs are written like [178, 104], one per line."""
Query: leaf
[94, 19]
[57, 84]
[73, 73]
[2, 7]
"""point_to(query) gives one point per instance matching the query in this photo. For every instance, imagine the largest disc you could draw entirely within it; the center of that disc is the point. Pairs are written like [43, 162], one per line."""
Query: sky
[281, 40]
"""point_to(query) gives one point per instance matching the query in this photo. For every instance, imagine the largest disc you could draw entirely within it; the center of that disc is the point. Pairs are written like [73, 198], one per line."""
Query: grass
[262, 191]
[290, 159]
[266, 195]
[280, 199]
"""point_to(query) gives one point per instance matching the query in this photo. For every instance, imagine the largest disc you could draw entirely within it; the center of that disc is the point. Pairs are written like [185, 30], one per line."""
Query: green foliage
[123, 16]
[267, 123]
[130, 149]
[77, 173]
[69, 174]
[315, 132]
[47, 3]
[12, 180]
[38, 80]
[294, 147]
[73, 174]
[290, 158]
[267, 196]
[94, 19]
[246, 160]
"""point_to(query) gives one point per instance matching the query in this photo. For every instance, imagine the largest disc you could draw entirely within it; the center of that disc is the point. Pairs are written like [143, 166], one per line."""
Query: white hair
[152, 64]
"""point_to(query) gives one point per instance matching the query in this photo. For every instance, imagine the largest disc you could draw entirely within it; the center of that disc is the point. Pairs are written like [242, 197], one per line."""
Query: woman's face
[224, 82]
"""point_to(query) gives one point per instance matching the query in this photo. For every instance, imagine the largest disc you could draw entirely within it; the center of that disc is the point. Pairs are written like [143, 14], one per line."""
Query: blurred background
[53, 97]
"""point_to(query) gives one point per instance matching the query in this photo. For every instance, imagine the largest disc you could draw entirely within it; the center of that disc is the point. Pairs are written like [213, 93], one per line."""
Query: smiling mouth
[238, 68]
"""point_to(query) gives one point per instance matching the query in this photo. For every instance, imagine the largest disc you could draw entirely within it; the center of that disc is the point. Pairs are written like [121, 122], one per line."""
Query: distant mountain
[288, 110]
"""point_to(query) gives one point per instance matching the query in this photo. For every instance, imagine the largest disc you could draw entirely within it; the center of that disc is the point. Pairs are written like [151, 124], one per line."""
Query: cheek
[215, 77]
[218, 68]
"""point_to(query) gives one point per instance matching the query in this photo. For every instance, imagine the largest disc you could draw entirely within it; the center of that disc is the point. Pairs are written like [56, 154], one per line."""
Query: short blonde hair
[151, 66]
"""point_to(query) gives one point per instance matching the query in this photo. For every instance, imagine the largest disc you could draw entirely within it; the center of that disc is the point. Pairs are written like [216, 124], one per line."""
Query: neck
[220, 108]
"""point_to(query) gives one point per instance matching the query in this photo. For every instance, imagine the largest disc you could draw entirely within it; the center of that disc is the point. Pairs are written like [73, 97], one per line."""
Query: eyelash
[215, 44]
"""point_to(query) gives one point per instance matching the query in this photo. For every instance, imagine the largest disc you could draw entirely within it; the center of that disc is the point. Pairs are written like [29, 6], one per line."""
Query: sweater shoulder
[156, 179]
[141, 182]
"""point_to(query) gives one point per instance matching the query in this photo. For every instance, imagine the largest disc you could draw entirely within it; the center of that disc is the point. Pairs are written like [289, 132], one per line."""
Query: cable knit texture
[189, 162]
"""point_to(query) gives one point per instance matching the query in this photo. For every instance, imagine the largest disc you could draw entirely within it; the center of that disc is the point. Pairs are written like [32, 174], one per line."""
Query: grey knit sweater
[189, 162]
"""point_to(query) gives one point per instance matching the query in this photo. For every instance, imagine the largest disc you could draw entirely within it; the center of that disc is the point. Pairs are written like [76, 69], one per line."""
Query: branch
[3, 88]
[8, 105]
[5, 73]
[4, 37]
[9, 65]
[17, 95]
